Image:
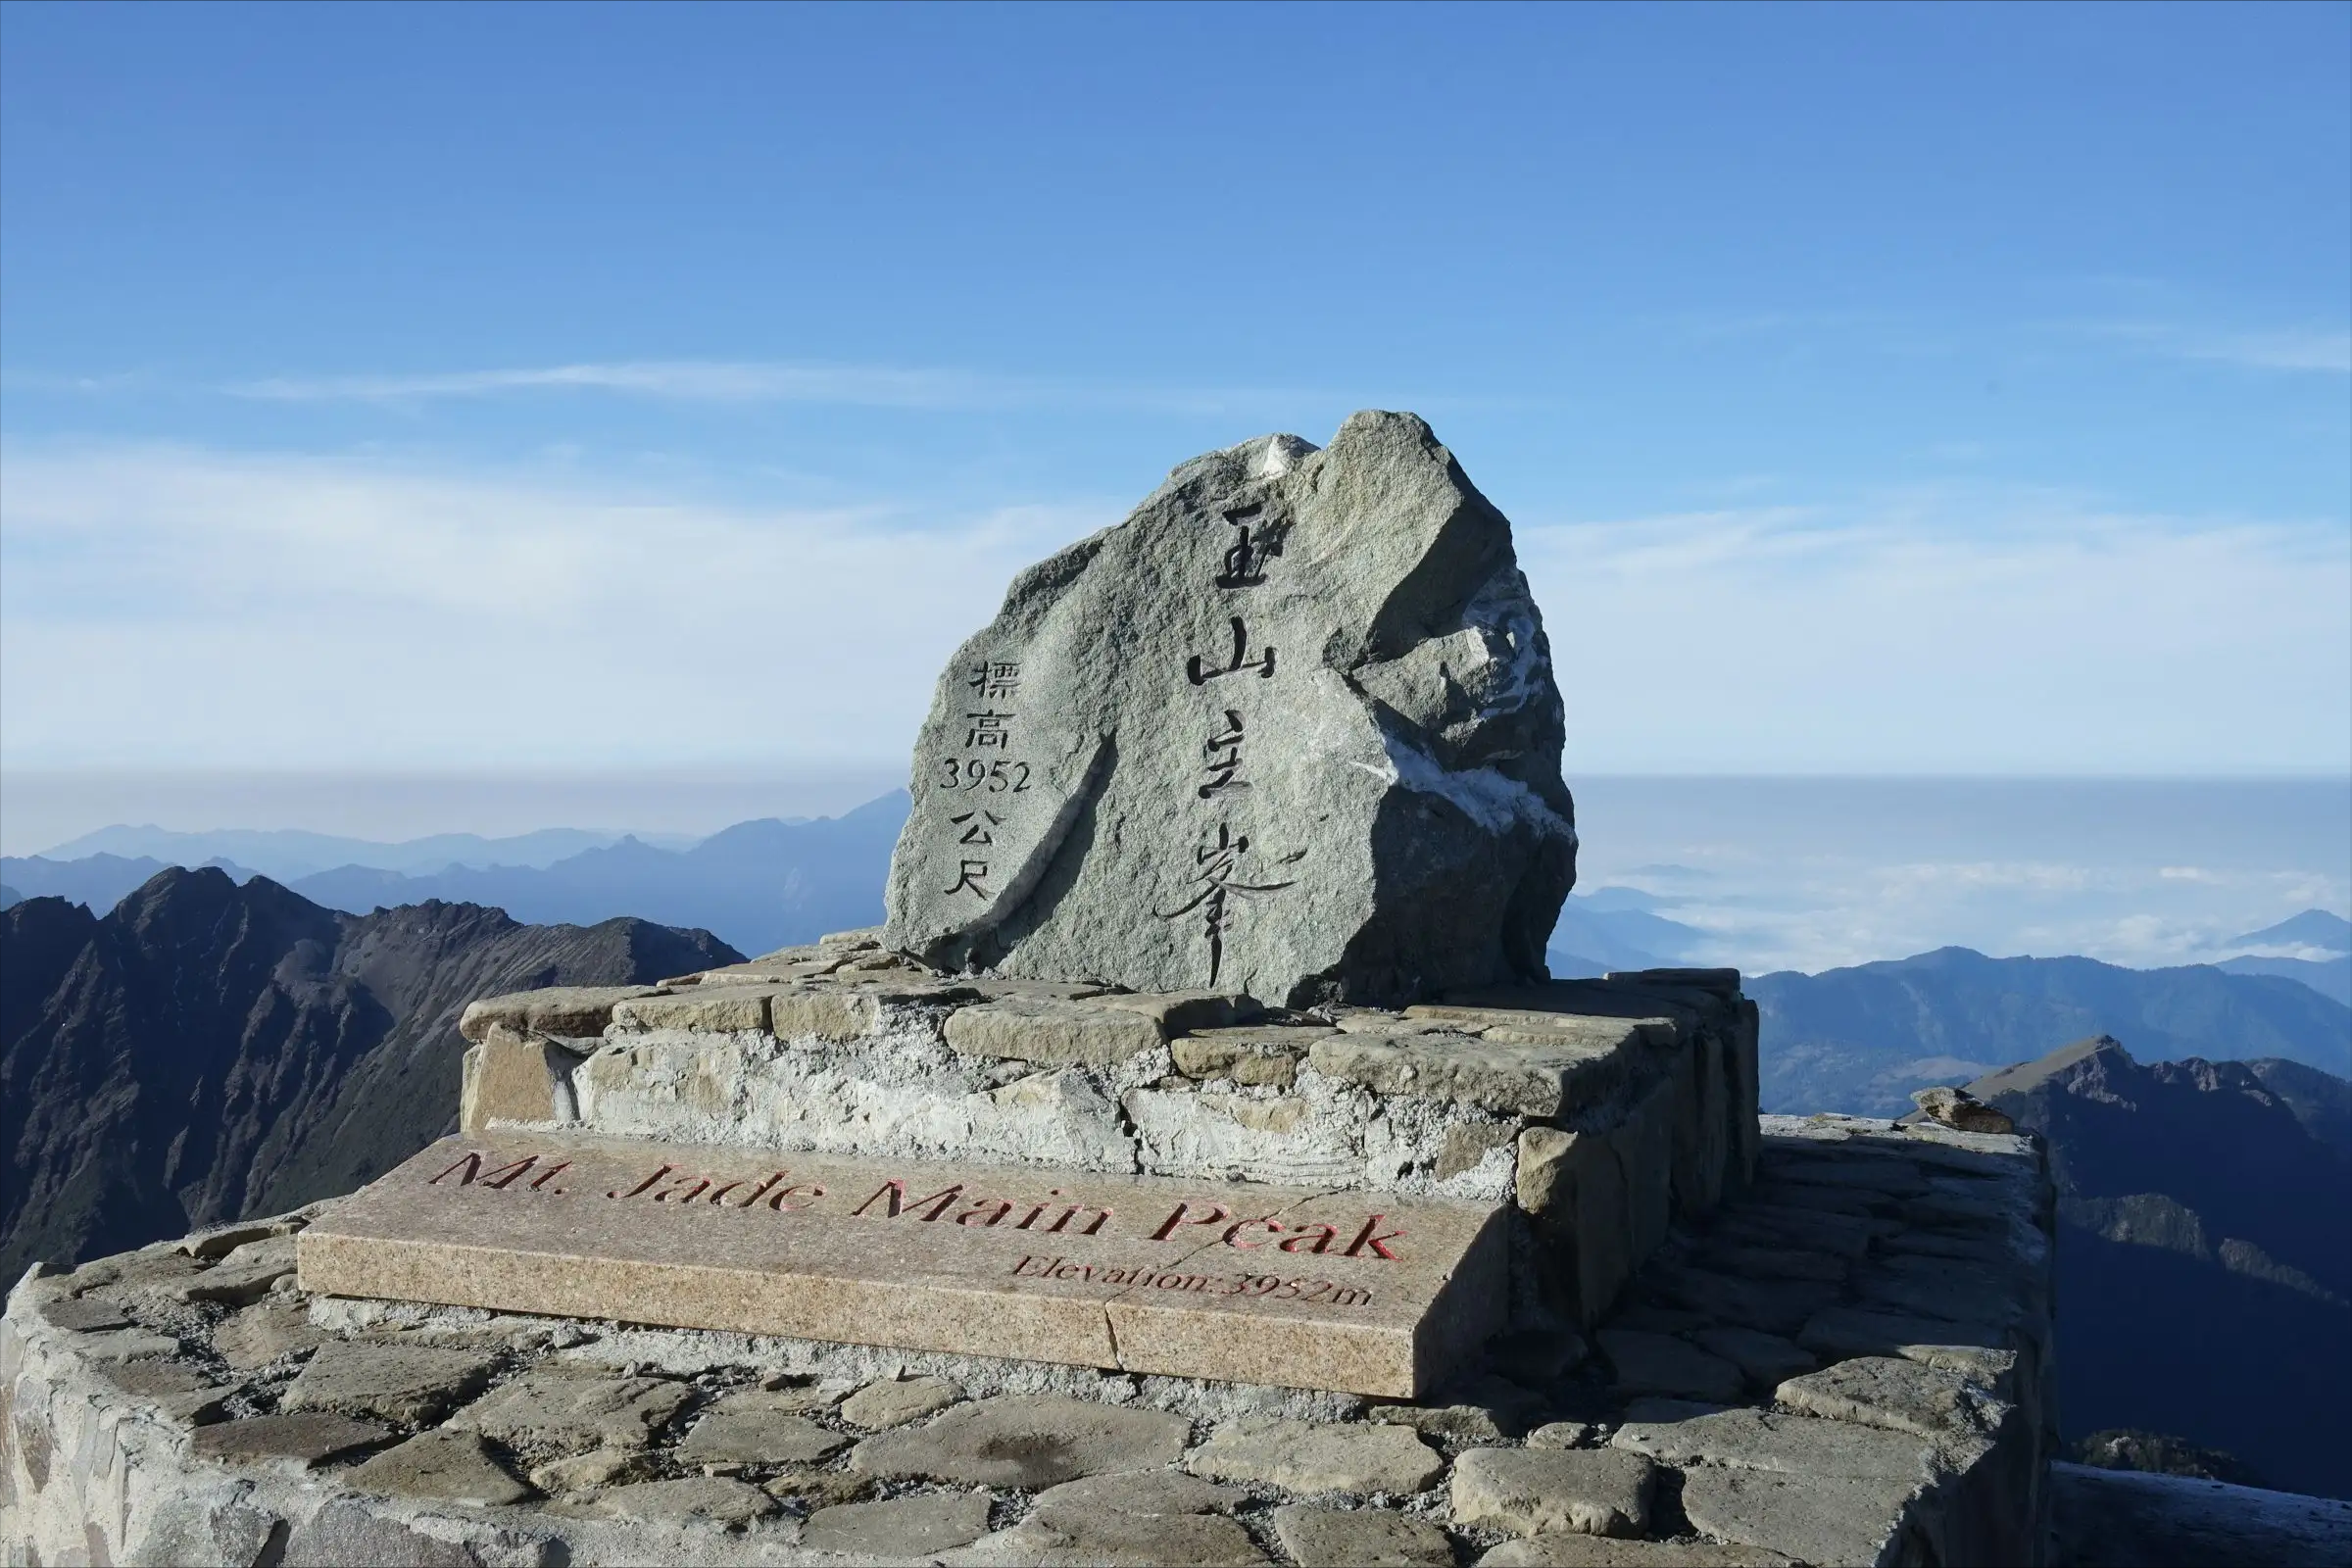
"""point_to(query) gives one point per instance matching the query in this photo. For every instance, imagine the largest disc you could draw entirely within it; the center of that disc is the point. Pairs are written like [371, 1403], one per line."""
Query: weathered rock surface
[299, 1440]
[899, 1528]
[1289, 728]
[1602, 1551]
[759, 1428]
[1026, 1440]
[1535, 1492]
[1310, 1456]
[446, 1467]
[898, 1400]
[562, 1409]
[1359, 1537]
[407, 1383]
[1116, 1541]
[704, 1499]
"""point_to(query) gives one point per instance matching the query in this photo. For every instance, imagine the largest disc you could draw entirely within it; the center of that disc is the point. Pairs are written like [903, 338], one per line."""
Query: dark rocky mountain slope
[209, 1050]
[1860, 1040]
[2205, 1250]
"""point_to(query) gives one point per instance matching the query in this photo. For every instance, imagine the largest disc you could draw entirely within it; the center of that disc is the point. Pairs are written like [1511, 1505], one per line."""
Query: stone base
[1600, 1111]
[1847, 1362]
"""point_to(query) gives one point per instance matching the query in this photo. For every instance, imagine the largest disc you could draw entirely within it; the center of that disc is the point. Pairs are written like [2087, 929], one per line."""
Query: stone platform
[1593, 1112]
[1847, 1362]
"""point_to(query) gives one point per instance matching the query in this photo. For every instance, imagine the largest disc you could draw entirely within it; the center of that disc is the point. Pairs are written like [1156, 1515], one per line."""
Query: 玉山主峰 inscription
[1365, 1293]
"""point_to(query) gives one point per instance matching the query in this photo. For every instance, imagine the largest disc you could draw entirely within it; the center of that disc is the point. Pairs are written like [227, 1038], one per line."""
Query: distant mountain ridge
[206, 1051]
[286, 854]
[1861, 1039]
[2205, 1260]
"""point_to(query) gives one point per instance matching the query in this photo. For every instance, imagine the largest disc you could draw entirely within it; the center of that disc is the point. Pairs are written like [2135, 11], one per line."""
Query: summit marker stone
[1291, 730]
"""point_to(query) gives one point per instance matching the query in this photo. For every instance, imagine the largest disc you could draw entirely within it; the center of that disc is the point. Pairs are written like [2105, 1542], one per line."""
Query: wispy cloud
[2319, 348]
[765, 381]
[176, 606]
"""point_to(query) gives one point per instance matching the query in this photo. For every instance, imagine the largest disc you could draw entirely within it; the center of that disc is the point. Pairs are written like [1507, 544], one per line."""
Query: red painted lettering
[1233, 1237]
[1184, 1215]
[502, 1178]
[1364, 1237]
[643, 1185]
[985, 1211]
[1310, 1239]
[797, 1189]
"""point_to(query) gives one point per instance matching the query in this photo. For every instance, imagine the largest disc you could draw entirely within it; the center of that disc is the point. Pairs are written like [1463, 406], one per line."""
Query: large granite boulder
[1290, 730]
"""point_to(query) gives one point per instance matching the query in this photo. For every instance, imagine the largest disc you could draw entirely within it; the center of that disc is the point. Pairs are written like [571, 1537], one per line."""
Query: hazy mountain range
[207, 1050]
[2205, 1255]
[1854, 1039]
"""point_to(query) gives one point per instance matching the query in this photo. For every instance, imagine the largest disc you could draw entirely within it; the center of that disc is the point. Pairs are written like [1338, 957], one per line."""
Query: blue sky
[1882, 389]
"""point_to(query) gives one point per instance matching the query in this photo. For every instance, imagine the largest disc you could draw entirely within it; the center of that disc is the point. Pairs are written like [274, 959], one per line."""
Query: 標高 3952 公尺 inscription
[1362, 1292]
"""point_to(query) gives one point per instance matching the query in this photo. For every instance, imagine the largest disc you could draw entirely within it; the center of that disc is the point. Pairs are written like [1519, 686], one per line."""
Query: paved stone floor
[1846, 1365]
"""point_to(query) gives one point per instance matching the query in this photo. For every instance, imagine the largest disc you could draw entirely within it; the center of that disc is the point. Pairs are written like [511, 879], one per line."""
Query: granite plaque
[1359, 1292]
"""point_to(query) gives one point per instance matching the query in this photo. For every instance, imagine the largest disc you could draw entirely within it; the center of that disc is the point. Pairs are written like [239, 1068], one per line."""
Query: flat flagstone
[1139, 1492]
[445, 1466]
[1355, 1291]
[1604, 1552]
[1026, 1440]
[1114, 1541]
[1319, 1456]
[704, 1499]
[297, 1439]
[1593, 1491]
[564, 1411]
[900, 1527]
[755, 1428]
[409, 1384]
[895, 1401]
[1359, 1537]
[264, 1332]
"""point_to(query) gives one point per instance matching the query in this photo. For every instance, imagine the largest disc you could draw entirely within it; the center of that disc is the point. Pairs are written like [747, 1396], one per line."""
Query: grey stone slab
[298, 1439]
[899, 1528]
[445, 1466]
[560, 1409]
[1561, 1435]
[1898, 1395]
[1060, 1034]
[1600, 1551]
[1767, 1359]
[1900, 1178]
[1842, 1333]
[1359, 1537]
[895, 1401]
[1853, 1202]
[1594, 1491]
[1778, 1263]
[601, 1467]
[1657, 1363]
[1114, 1541]
[1140, 1492]
[245, 1274]
[1529, 1080]
[183, 1391]
[696, 1499]
[572, 1011]
[411, 1384]
[1653, 1408]
[1026, 1440]
[1827, 1520]
[1963, 1292]
[1776, 1306]
[1792, 1445]
[125, 1345]
[1536, 1356]
[264, 1332]
[757, 1428]
[1312, 1456]
[1113, 782]
[1841, 1236]
[83, 1315]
